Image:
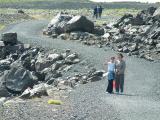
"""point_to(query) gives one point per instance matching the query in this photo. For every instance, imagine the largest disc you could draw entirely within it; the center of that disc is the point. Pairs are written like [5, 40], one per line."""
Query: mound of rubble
[135, 35]
[34, 70]
[139, 35]
[69, 27]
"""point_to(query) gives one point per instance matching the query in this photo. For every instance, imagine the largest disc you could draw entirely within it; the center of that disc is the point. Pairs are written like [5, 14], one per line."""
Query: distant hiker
[100, 9]
[95, 13]
[111, 74]
[120, 70]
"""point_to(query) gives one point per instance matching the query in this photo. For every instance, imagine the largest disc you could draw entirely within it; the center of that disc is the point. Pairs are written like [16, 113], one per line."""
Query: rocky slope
[89, 101]
[135, 35]
[22, 67]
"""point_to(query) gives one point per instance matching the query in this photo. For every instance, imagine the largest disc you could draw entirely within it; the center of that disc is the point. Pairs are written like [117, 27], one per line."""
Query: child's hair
[120, 54]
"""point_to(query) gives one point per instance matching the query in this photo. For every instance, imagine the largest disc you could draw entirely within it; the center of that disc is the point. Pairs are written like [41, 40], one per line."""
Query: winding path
[90, 102]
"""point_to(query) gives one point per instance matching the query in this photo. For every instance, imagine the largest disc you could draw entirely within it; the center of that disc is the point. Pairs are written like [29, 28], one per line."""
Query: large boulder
[125, 20]
[4, 65]
[153, 32]
[99, 30]
[9, 38]
[45, 62]
[18, 79]
[10, 49]
[58, 23]
[79, 23]
[3, 90]
[144, 17]
[156, 14]
[37, 91]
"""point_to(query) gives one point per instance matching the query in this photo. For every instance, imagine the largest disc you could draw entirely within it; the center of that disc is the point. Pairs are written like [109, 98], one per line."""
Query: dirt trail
[90, 102]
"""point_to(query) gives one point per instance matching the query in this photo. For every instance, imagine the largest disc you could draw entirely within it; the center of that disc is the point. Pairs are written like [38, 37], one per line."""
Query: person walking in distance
[100, 11]
[120, 70]
[95, 14]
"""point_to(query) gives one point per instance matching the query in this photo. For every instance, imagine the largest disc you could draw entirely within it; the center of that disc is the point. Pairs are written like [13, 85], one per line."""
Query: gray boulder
[57, 65]
[37, 91]
[144, 17]
[148, 57]
[18, 79]
[126, 19]
[125, 49]
[63, 36]
[156, 34]
[45, 62]
[133, 47]
[52, 74]
[58, 23]
[75, 35]
[71, 82]
[156, 14]
[79, 23]
[3, 90]
[99, 31]
[9, 38]
[72, 59]
[5, 65]
[11, 49]
[94, 75]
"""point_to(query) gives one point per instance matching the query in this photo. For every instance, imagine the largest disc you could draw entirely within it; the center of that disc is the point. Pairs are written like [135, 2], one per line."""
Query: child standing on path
[120, 70]
[111, 74]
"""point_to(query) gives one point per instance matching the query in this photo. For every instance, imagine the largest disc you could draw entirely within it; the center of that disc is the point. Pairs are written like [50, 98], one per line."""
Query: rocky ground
[26, 69]
[135, 35]
[28, 72]
[59, 71]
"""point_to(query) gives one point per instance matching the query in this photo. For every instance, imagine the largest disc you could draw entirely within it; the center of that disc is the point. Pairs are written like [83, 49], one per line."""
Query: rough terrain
[141, 99]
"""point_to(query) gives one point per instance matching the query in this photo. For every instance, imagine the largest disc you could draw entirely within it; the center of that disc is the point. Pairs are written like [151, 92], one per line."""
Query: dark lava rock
[9, 38]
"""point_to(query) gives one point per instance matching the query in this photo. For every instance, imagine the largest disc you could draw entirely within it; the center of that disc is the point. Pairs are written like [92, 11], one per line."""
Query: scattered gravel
[90, 102]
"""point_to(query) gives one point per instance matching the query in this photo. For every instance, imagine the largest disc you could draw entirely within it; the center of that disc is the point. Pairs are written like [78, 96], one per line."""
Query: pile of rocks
[135, 35]
[34, 69]
[139, 35]
[85, 37]
[45, 89]
[80, 28]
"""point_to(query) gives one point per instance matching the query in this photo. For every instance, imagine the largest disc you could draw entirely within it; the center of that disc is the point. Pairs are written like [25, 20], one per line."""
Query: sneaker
[109, 92]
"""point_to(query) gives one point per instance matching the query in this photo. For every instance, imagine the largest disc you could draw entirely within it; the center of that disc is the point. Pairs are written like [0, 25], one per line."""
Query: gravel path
[90, 102]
